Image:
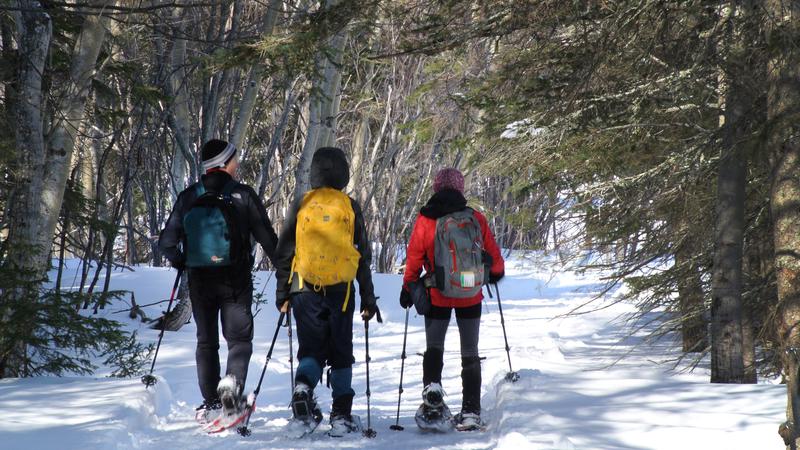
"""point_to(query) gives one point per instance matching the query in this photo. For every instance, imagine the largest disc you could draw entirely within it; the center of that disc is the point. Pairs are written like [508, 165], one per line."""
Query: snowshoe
[208, 411]
[228, 421]
[467, 421]
[342, 424]
[434, 419]
[433, 414]
[177, 317]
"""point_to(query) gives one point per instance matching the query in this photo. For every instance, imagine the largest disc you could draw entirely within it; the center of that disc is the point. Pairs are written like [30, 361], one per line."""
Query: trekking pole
[511, 375]
[397, 426]
[243, 430]
[149, 379]
[369, 432]
[291, 342]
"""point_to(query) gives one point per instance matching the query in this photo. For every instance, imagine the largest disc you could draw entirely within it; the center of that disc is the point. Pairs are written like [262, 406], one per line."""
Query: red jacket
[421, 245]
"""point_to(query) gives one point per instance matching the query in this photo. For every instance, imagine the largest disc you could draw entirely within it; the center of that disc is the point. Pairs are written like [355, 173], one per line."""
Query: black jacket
[252, 221]
[284, 255]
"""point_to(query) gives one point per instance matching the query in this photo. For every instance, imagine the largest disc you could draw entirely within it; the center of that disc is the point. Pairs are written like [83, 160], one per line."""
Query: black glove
[369, 308]
[405, 298]
[178, 264]
[494, 278]
[279, 302]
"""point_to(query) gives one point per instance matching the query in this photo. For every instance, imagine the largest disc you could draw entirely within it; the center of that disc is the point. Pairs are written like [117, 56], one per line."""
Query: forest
[660, 138]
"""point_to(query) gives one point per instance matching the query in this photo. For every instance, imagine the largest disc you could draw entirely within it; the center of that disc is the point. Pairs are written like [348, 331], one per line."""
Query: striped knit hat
[216, 153]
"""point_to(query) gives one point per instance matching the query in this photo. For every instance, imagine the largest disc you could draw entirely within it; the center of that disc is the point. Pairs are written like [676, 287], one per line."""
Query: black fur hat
[329, 168]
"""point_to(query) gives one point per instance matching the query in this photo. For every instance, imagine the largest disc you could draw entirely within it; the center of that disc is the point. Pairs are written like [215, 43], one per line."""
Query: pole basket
[149, 380]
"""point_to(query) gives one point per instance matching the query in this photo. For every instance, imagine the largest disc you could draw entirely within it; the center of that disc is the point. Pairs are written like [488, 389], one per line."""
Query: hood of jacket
[329, 168]
[443, 203]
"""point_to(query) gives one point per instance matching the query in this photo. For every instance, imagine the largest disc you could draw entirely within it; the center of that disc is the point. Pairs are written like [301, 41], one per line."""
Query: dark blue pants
[212, 300]
[325, 336]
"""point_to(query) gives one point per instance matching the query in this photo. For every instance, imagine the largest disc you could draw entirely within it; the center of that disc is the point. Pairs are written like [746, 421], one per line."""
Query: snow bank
[570, 394]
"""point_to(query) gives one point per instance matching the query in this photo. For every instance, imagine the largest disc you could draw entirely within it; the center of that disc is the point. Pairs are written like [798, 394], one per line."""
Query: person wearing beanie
[471, 254]
[224, 290]
[323, 248]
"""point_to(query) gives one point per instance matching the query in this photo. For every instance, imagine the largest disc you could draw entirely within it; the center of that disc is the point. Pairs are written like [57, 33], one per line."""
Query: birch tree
[44, 160]
[324, 98]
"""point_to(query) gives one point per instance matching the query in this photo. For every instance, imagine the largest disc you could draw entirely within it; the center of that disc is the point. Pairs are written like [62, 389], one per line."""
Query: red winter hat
[449, 178]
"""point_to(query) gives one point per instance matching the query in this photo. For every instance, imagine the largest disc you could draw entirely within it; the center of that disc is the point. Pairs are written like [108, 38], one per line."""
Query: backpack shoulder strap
[467, 211]
[227, 191]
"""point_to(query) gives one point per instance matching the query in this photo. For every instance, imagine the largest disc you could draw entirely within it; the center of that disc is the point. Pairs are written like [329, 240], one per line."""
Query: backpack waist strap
[299, 285]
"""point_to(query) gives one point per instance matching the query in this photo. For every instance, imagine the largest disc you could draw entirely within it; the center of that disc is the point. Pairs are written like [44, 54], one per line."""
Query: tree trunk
[783, 99]
[727, 351]
[727, 364]
[248, 101]
[694, 333]
[324, 104]
[275, 141]
[749, 347]
[61, 142]
[180, 119]
[216, 83]
[26, 247]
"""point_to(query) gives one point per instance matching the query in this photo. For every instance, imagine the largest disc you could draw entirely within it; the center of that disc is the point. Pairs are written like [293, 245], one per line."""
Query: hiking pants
[212, 299]
[469, 322]
[325, 337]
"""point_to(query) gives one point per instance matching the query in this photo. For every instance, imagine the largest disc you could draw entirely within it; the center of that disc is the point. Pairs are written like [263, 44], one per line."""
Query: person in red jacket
[448, 199]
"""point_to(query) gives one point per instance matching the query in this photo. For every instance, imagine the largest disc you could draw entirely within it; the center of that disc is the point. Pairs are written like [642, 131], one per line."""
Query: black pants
[212, 299]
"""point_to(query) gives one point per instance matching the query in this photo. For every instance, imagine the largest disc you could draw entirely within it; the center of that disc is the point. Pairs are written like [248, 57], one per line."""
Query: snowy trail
[567, 398]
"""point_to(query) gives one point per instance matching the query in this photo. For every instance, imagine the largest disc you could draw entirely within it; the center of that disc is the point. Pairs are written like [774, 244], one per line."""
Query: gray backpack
[458, 253]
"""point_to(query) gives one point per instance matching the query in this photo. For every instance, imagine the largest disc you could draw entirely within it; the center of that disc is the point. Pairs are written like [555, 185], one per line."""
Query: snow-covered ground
[569, 395]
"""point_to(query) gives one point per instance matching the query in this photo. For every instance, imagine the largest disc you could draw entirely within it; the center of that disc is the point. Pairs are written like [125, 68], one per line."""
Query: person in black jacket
[324, 313]
[225, 291]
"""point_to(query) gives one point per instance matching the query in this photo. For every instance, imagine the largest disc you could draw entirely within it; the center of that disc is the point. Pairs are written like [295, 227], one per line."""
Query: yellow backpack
[324, 250]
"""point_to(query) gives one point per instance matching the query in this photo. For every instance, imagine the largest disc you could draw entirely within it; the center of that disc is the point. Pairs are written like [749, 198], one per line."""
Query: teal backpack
[212, 238]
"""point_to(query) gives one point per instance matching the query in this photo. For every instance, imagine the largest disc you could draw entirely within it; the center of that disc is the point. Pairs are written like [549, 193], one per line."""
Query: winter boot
[304, 407]
[433, 414]
[342, 422]
[206, 411]
[229, 391]
[468, 421]
[433, 396]
[342, 425]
